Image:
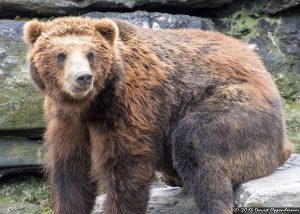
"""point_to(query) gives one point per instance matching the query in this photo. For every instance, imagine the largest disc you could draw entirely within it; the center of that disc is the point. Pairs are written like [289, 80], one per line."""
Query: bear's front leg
[128, 187]
[127, 175]
[68, 162]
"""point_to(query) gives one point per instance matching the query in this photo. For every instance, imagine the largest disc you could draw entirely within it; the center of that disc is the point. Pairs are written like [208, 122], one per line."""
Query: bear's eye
[60, 57]
[90, 56]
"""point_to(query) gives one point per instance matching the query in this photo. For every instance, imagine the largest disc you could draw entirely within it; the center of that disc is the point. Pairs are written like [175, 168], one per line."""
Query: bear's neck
[107, 105]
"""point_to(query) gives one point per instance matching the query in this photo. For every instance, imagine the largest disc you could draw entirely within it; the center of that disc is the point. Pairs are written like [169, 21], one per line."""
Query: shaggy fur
[198, 106]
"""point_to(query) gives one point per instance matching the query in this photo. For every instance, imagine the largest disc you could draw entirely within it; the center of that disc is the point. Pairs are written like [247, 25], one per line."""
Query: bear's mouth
[78, 92]
[81, 90]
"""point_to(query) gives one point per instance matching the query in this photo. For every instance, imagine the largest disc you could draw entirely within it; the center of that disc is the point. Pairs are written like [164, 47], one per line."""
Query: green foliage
[292, 114]
[18, 18]
[288, 85]
[240, 24]
[25, 194]
[244, 24]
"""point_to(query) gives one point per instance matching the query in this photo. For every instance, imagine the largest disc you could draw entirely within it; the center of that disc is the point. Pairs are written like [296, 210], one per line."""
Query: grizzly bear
[123, 101]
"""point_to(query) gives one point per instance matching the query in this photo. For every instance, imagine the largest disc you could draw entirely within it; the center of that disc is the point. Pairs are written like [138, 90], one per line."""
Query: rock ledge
[281, 189]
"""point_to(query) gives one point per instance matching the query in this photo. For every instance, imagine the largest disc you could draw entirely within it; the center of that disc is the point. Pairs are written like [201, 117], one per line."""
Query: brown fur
[288, 149]
[194, 104]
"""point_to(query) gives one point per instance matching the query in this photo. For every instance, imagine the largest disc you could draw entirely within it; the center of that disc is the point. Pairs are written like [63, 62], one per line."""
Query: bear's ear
[108, 29]
[32, 30]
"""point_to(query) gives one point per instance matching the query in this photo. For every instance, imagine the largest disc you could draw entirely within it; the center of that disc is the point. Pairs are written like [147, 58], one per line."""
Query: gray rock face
[20, 155]
[288, 35]
[158, 20]
[163, 200]
[62, 7]
[281, 189]
[275, 6]
[20, 103]
[279, 46]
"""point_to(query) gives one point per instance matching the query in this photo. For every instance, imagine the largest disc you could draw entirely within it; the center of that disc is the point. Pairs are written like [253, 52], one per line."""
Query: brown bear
[123, 102]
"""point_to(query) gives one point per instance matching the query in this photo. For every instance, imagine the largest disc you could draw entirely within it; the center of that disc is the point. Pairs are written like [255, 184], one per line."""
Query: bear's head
[71, 58]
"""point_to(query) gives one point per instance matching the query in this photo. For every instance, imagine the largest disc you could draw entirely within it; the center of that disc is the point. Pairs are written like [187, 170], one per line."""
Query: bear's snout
[83, 79]
[78, 76]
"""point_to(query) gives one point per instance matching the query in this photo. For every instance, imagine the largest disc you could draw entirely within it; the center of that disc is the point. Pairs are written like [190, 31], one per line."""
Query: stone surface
[288, 35]
[20, 155]
[62, 7]
[281, 189]
[274, 6]
[20, 103]
[163, 200]
[158, 20]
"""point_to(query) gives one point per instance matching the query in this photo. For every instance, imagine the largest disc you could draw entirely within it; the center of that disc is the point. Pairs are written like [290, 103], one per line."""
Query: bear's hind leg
[204, 176]
[219, 145]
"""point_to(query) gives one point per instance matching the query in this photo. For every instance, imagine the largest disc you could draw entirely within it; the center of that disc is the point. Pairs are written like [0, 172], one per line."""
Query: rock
[281, 189]
[275, 6]
[163, 200]
[158, 20]
[278, 41]
[288, 35]
[61, 7]
[20, 104]
[20, 155]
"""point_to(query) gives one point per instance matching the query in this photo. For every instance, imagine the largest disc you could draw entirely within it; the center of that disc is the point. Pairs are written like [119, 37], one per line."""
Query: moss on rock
[292, 113]
[289, 85]
[20, 104]
[25, 195]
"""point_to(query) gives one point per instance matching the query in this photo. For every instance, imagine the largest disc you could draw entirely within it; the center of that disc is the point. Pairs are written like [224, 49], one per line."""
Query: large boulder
[274, 6]
[288, 35]
[62, 7]
[18, 155]
[158, 20]
[20, 104]
[281, 189]
[163, 200]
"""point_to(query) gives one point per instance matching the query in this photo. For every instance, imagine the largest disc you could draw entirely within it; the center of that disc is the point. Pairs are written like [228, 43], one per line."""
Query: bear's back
[198, 57]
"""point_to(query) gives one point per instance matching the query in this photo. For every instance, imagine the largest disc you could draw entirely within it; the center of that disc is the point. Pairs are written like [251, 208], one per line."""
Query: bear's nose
[83, 79]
